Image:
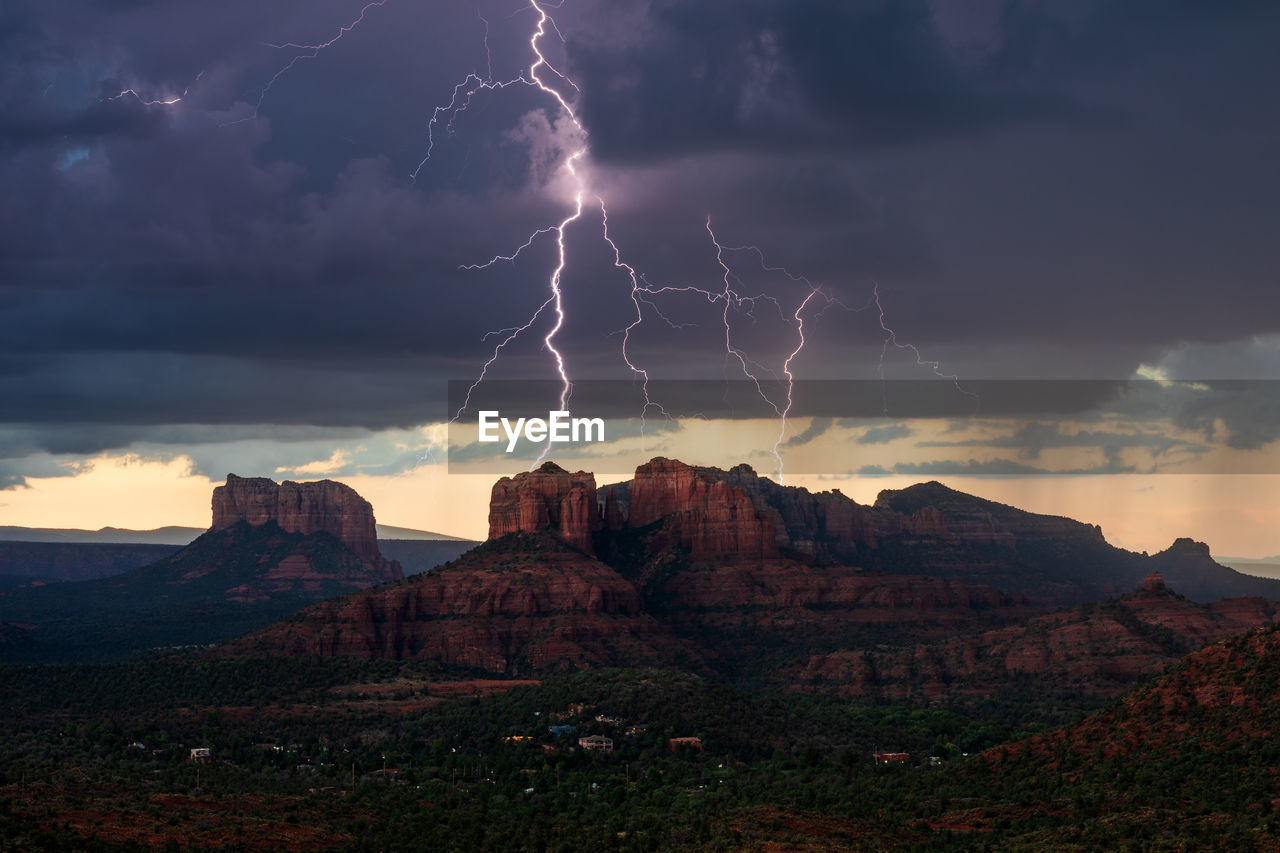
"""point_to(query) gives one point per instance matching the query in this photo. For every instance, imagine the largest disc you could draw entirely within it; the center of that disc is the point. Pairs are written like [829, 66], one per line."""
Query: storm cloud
[193, 236]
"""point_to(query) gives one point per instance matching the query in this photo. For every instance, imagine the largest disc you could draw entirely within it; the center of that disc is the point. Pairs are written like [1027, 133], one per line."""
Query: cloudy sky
[234, 236]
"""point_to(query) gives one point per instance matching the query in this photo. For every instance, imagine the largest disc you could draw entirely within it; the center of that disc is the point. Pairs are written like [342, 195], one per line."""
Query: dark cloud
[816, 428]
[1020, 181]
[1243, 415]
[885, 434]
[1033, 438]
[987, 468]
[781, 76]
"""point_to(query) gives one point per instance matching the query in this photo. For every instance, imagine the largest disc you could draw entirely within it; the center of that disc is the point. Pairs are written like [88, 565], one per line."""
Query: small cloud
[1000, 468]
[339, 459]
[1031, 439]
[885, 434]
[1154, 373]
[816, 427]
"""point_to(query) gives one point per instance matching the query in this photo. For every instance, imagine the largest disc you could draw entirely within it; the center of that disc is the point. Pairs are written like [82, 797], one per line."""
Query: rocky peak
[551, 499]
[711, 516]
[1154, 583]
[306, 508]
[934, 510]
[1186, 547]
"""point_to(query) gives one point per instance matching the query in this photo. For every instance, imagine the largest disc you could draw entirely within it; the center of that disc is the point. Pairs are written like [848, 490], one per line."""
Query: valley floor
[376, 755]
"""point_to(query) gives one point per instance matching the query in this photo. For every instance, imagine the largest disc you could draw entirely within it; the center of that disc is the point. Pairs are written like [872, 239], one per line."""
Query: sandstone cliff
[924, 592]
[550, 499]
[524, 603]
[306, 508]
[1098, 649]
[707, 515]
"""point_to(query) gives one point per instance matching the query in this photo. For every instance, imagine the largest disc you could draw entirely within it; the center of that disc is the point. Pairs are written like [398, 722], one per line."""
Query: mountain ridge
[741, 575]
[270, 550]
[174, 534]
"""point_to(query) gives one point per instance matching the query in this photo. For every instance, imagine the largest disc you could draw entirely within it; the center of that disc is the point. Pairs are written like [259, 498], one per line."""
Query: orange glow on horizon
[1235, 514]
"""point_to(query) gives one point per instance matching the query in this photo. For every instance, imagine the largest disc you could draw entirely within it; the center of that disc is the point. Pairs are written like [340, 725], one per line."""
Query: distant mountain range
[927, 593]
[271, 549]
[924, 593]
[1263, 567]
[174, 535]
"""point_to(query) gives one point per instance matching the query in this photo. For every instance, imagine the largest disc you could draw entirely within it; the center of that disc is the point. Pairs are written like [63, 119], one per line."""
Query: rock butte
[717, 570]
[322, 506]
[298, 508]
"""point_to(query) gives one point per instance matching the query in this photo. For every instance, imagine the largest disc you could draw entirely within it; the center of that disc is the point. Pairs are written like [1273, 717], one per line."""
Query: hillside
[686, 560]
[1185, 762]
[271, 549]
[1095, 650]
[23, 562]
[522, 603]
[74, 561]
[1218, 702]
[171, 535]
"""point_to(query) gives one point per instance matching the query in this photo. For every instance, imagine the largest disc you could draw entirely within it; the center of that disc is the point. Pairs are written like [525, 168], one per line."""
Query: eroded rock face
[736, 516]
[711, 517]
[306, 508]
[524, 603]
[917, 595]
[1100, 649]
[549, 499]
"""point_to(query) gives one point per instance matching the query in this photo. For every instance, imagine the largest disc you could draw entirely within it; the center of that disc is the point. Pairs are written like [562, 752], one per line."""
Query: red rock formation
[710, 517]
[1099, 649]
[549, 498]
[755, 575]
[1219, 697]
[306, 508]
[825, 526]
[615, 515]
[521, 603]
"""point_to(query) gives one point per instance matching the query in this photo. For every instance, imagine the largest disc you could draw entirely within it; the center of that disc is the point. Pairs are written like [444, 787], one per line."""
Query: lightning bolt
[463, 92]
[149, 102]
[730, 298]
[157, 102]
[310, 51]
[891, 339]
[645, 297]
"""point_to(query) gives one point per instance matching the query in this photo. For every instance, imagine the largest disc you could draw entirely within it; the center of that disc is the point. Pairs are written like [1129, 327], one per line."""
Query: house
[691, 742]
[600, 743]
[200, 755]
[891, 757]
[637, 729]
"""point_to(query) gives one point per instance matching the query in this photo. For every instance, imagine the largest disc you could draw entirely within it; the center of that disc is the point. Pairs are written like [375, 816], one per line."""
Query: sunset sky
[235, 237]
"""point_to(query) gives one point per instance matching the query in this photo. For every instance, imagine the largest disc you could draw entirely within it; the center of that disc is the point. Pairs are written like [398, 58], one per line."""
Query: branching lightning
[646, 298]
[150, 102]
[462, 95]
[891, 339]
[311, 51]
